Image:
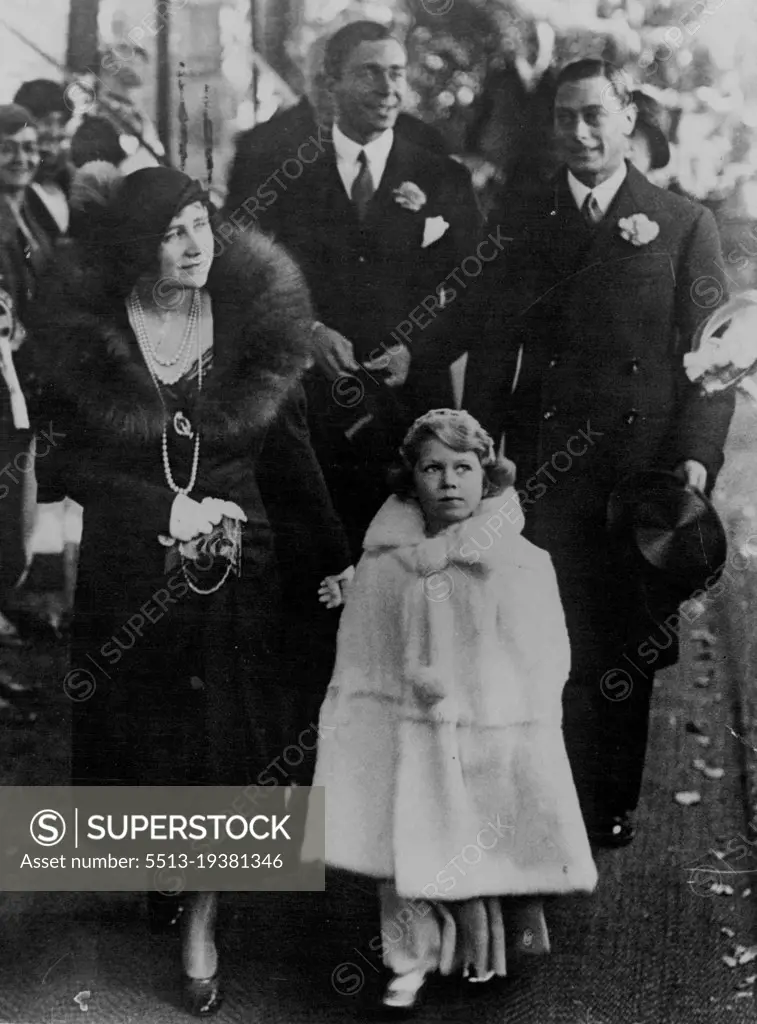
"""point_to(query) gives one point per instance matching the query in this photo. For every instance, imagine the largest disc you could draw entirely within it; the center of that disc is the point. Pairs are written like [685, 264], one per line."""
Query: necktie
[590, 210]
[362, 187]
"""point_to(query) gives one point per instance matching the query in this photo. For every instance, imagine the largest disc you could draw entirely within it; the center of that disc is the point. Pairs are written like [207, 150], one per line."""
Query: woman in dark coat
[151, 384]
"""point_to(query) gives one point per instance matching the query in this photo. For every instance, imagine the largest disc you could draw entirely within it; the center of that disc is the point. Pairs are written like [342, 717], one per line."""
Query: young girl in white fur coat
[441, 743]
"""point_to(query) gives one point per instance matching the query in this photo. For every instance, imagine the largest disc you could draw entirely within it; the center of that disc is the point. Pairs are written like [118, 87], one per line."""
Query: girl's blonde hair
[460, 432]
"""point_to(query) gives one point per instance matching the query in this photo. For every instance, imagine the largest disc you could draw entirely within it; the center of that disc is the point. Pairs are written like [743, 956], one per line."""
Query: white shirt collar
[57, 205]
[347, 151]
[604, 193]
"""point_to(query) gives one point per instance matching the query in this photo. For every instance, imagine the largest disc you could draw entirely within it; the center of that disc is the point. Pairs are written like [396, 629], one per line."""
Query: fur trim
[94, 185]
[86, 352]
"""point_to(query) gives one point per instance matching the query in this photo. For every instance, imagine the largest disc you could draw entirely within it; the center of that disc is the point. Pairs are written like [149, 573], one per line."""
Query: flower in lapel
[638, 229]
[410, 197]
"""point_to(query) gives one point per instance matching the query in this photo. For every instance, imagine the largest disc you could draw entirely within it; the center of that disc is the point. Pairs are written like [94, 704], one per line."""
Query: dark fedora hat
[670, 533]
[649, 119]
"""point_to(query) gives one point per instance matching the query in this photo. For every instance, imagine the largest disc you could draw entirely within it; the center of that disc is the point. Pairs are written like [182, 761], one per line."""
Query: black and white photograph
[378, 511]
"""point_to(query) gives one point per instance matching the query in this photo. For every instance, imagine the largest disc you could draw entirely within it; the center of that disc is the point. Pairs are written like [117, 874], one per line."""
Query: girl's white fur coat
[441, 744]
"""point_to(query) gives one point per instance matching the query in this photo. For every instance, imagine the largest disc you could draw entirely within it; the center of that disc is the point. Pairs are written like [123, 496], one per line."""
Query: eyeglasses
[8, 147]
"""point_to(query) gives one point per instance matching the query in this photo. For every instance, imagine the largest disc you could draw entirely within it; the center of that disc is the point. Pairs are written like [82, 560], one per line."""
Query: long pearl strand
[194, 313]
[144, 345]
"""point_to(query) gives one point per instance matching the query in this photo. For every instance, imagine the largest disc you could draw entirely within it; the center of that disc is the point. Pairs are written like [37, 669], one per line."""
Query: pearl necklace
[192, 319]
[137, 315]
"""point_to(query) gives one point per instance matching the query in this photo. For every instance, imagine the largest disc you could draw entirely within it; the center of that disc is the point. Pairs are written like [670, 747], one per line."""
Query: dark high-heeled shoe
[164, 912]
[201, 997]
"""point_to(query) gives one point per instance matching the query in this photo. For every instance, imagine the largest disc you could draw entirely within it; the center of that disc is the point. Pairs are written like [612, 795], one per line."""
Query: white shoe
[404, 990]
[476, 979]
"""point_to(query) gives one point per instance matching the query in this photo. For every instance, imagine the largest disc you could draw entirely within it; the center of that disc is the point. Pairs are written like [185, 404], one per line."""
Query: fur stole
[85, 356]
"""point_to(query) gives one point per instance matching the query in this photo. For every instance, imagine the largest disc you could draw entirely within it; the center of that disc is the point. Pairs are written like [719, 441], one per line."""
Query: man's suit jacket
[260, 151]
[592, 331]
[367, 280]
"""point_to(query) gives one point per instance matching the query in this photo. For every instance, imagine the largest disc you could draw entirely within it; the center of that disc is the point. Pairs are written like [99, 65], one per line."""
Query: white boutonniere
[638, 229]
[433, 230]
[410, 197]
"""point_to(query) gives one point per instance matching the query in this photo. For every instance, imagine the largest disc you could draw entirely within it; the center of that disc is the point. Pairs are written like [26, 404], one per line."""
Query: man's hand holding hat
[692, 474]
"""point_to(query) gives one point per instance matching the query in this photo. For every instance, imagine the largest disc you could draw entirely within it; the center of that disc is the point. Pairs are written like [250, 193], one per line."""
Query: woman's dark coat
[168, 686]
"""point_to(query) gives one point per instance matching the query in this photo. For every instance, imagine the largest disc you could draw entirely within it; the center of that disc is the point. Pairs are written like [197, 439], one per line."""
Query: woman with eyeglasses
[47, 199]
[25, 250]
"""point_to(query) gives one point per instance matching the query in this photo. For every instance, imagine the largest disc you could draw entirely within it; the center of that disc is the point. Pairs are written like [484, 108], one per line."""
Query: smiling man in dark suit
[580, 365]
[377, 223]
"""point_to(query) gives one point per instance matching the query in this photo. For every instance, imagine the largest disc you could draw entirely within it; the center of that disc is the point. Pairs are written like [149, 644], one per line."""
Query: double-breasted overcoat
[580, 365]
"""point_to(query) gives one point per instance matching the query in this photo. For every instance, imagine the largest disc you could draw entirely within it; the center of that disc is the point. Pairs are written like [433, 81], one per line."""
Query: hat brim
[659, 148]
[673, 533]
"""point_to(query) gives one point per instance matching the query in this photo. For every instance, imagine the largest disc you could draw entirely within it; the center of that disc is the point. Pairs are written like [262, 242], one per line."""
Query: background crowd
[429, 168]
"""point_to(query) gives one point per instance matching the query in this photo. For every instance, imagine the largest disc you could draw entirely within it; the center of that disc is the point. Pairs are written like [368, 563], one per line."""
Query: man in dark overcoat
[377, 223]
[593, 305]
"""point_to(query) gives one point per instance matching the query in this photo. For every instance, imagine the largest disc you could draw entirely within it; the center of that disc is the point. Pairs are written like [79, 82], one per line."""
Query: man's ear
[630, 114]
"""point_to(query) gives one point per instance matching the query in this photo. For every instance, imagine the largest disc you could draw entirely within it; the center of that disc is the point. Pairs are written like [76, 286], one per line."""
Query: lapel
[607, 245]
[566, 236]
[385, 215]
[572, 248]
[327, 195]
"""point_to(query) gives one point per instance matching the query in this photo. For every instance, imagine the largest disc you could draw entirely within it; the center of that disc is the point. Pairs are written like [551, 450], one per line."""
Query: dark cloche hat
[671, 533]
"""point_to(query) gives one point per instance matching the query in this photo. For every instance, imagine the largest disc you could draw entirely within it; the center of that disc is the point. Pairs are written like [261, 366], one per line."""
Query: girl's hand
[332, 589]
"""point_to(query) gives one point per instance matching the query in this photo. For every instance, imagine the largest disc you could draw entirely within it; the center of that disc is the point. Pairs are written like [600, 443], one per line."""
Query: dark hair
[96, 139]
[42, 97]
[593, 67]
[342, 43]
[14, 117]
[461, 434]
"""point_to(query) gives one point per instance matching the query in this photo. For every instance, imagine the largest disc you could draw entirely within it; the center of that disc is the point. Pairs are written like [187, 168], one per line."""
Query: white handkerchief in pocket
[433, 230]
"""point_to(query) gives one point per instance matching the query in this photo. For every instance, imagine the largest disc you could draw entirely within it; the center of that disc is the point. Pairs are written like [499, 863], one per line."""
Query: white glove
[189, 518]
[218, 507]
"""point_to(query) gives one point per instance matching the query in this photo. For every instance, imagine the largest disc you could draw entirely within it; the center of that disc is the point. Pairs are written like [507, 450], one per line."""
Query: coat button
[361, 259]
[549, 414]
[553, 362]
[630, 417]
[634, 366]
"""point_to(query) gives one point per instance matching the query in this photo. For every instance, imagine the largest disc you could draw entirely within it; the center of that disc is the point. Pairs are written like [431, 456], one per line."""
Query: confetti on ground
[695, 608]
[707, 771]
[728, 932]
[746, 892]
[743, 995]
[719, 889]
[746, 955]
[702, 681]
[730, 961]
[703, 741]
[703, 636]
[747, 982]
[686, 798]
